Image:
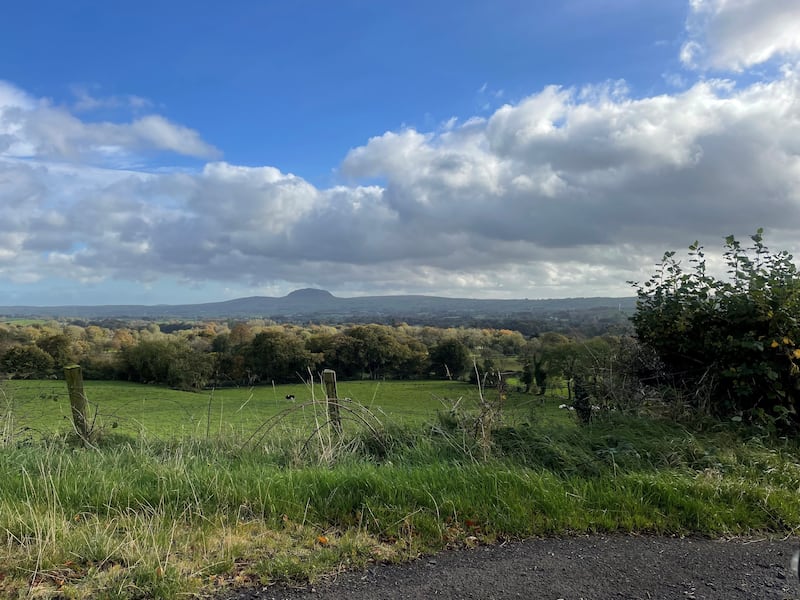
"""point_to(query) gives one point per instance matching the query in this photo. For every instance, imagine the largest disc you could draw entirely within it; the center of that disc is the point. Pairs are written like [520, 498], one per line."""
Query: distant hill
[320, 305]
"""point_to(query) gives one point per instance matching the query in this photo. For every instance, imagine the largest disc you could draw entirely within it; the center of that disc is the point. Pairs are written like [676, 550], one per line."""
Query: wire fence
[35, 409]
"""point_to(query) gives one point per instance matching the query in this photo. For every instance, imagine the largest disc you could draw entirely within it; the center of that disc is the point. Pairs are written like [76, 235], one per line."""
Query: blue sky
[297, 84]
[195, 151]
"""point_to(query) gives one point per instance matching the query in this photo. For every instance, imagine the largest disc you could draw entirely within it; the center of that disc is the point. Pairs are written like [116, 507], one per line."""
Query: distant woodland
[200, 354]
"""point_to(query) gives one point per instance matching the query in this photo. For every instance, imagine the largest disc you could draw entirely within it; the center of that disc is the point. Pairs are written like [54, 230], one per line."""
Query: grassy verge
[147, 517]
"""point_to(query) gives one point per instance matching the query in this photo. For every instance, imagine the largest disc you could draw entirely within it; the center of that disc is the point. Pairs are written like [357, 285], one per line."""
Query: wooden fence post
[332, 398]
[77, 400]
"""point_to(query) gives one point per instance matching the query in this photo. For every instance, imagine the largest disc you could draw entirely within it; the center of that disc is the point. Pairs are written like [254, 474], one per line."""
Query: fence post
[77, 400]
[332, 398]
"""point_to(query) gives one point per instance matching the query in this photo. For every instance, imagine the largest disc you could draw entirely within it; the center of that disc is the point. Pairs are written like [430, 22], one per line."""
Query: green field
[181, 494]
[41, 408]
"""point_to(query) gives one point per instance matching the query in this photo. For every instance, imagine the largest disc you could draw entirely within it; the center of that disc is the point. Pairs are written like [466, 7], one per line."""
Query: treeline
[574, 323]
[198, 355]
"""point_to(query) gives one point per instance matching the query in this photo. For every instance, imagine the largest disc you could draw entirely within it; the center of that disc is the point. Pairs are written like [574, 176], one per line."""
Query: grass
[131, 409]
[170, 511]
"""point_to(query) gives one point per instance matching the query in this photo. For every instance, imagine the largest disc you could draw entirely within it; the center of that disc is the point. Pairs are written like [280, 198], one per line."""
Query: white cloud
[86, 101]
[733, 35]
[156, 132]
[13, 97]
[689, 53]
[566, 192]
[555, 170]
[39, 129]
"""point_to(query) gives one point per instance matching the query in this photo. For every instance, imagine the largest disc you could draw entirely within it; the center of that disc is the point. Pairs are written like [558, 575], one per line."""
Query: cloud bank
[567, 192]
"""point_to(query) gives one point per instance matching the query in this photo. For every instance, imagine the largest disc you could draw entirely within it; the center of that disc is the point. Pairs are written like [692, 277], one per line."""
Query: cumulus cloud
[733, 35]
[38, 129]
[566, 192]
[566, 167]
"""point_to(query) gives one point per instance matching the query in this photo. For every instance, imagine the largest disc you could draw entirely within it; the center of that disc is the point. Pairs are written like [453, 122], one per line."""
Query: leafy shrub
[729, 345]
[26, 361]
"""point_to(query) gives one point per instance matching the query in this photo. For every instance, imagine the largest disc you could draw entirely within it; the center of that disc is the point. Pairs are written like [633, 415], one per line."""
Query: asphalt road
[572, 568]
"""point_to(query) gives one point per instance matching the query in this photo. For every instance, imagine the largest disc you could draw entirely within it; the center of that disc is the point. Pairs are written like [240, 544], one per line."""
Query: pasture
[37, 409]
[186, 494]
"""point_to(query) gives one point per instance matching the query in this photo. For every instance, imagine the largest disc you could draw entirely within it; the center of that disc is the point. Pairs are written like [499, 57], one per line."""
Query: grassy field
[175, 501]
[41, 408]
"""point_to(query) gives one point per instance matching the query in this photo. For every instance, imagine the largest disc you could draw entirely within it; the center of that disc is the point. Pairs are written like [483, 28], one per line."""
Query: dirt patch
[573, 568]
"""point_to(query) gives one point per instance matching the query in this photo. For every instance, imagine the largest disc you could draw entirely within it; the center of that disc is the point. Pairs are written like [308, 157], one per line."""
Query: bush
[26, 361]
[729, 345]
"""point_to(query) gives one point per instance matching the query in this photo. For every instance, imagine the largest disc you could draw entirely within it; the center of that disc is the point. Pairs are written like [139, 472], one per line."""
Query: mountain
[320, 305]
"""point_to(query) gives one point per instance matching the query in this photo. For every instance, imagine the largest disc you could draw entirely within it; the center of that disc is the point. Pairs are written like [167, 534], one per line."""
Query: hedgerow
[729, 345]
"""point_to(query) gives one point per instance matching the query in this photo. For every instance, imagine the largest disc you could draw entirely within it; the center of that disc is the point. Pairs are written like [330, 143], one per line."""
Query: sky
[179, 152]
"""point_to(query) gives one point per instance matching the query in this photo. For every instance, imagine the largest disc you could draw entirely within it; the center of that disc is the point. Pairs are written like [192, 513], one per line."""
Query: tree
[123, 338]
[535, 368]
[97, 336]
[167, 361]
[26, 361]
[506, 342]
[379, 351]
[535, 371]
[730, 346]
[344, 355]
[58, 347]
[415, 359]
[277, 356]
[450, 358]
[241, 334]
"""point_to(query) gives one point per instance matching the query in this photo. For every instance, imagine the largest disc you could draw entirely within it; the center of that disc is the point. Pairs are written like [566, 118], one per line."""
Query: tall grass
[149, 517]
